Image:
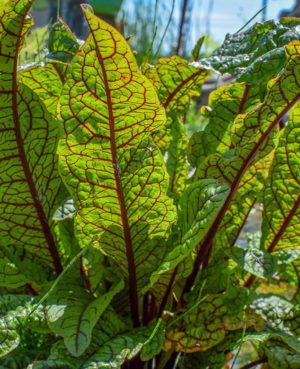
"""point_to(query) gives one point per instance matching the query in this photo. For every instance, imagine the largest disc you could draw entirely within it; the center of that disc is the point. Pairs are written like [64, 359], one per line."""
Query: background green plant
[120, 222]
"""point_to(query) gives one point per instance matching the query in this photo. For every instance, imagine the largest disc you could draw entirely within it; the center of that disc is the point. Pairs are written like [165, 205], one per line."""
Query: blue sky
[230, 15]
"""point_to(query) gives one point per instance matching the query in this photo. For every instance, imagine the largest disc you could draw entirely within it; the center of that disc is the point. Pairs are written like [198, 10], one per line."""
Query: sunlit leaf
[119, 185]
[28, 177]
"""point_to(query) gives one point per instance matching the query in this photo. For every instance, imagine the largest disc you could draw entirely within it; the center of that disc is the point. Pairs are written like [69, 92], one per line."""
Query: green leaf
[72, 313]
[27, 265]
[176, 163]
[281, 337]
[224, 104]
[254, 137]
[45, 82]
[257, 54]
[10, 275]
[205, 199]
[119, 185]
[119, 350]
[253, 259]
[14, 314]
[204, 324]
[62, 43]
[281, 216]
[197, 48]
[109, 326]
[280, 356]
[274, 310]
[28, 176]
[176, 82]
[214, 358]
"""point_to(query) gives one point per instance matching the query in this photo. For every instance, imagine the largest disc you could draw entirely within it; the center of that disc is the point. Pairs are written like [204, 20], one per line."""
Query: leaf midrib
[119, 190]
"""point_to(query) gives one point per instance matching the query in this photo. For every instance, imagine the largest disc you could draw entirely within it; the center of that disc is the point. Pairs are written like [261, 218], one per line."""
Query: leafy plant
[118, 233]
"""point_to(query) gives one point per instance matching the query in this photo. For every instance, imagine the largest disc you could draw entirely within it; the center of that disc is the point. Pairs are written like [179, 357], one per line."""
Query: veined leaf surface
[176, 82]
[224, 105]
[205, 198]
[28, 177]
[253, 136]
[281, 217]
[112, 170]
[73, 313]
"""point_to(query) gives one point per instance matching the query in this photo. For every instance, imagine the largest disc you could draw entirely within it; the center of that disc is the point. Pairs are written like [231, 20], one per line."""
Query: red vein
[128, 241]
[206, 247]
[284, 226]
[38, 206]
[181, 84]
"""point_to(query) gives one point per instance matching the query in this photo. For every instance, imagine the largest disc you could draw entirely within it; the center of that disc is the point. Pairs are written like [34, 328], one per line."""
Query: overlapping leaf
[19, 267]
[28, 178]
[224, 105]
[257, 54]
[120, 349]
[205, 324]
[281, 216]
[45, 82]
[109, 327]
[176, 82]
[72, 313]
[253, 139]
[205, 198]
[113, 172]
[62, 43]
[14, 312]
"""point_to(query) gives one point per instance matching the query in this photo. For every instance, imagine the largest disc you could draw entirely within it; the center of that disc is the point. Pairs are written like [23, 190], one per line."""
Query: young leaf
[204, 325]
[72, 313]
[14, 313]
[197, 48]
[176, 82]
[253, 259]
[119, 184]
[274, 310]
[120, 349]
[62, 43]
[66, 210]
[28, 176]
